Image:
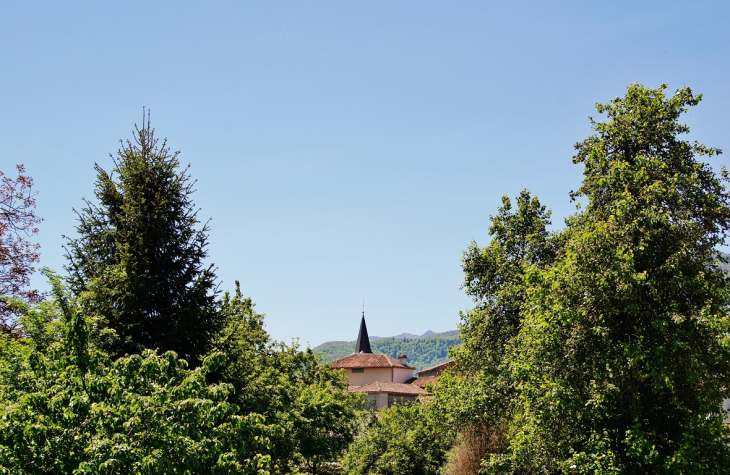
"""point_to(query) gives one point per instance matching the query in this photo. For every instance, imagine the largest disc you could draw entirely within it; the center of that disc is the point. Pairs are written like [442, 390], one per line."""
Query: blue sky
[343, 150]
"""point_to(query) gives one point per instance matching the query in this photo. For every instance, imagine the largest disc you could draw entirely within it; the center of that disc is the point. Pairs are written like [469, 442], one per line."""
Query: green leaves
[614, 355]
[252, 406]
[66, 407]
[145, 414]
[307, 402]
[495, 276]
[402, 440]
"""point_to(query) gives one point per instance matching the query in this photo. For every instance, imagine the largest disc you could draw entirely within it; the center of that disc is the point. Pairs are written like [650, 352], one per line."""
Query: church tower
[383, 379]
[362, 345]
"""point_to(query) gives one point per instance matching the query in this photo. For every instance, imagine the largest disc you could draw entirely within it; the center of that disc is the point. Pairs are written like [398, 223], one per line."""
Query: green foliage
[65, 407]
[616, 358]
[495, 278]
[322, 419]
[249, 352]
[287, 386]
[252, 406]
[404, 439]
[422, 352]
[477, 400]
[463, 400]
[139, 259]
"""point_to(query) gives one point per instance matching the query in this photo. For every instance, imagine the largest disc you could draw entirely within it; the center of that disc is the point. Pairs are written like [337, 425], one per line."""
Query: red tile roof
[369, 360]
[436, 370]
[423, 381]
[392, 388]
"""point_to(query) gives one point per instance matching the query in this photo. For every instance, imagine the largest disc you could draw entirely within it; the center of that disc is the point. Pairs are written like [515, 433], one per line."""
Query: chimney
[403, 359]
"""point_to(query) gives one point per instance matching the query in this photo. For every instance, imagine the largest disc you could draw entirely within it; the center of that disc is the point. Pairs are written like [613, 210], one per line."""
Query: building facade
[383, 379]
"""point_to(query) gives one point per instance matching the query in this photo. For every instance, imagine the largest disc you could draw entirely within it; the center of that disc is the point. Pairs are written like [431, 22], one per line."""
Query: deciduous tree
[18, 223]
[623, 352]
[402, 440]
[494, 276]
[66, 407]
[288, 387]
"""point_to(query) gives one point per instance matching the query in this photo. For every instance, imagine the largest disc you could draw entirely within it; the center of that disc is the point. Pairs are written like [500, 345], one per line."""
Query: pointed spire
[362, 345]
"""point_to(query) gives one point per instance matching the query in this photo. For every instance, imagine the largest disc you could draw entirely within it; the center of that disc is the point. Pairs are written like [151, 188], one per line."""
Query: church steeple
[362, 345]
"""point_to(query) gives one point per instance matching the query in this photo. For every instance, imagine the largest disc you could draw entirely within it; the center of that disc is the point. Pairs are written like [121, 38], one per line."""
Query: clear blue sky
[344, 150]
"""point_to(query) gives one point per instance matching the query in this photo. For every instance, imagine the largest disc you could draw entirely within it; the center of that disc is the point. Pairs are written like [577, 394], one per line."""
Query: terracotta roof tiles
[391, 388]
[437, 369]
[369, 360]
[423, 381]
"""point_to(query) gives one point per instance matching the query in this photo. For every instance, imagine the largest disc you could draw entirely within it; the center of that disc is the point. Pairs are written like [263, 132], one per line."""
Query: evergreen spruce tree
[138, 260]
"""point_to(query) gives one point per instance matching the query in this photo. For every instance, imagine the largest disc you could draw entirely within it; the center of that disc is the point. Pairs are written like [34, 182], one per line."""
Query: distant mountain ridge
[428, 334]
[423, 351]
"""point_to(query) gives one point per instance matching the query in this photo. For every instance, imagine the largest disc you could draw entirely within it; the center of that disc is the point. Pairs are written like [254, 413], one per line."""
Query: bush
[65, 407]
[401, 440]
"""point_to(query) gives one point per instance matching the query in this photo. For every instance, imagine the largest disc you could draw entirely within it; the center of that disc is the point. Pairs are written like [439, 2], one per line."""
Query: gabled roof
[369, 360]
[362, 345]
[436, 369]
[391, 388]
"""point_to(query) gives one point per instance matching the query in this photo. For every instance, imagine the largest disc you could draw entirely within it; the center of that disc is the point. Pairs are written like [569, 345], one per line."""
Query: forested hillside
[422, 352]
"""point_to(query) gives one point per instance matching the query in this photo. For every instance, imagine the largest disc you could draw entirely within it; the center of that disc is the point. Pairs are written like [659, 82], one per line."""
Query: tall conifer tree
[139, 257]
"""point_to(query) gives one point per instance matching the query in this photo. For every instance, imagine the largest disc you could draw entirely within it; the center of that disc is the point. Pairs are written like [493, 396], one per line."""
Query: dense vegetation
[405, 438]
[606, 343]
[422, 352]
[70, 408]
[137, 365]
[600, 348]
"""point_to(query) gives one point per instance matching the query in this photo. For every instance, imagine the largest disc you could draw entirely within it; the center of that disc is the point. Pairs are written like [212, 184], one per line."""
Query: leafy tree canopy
[309, 402]
[615, 349]
[495, 279]
[68, 408]
[402, 440]
[252, 406]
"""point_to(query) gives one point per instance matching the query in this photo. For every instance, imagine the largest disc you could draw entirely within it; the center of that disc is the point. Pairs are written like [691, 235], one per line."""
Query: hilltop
[423, 351]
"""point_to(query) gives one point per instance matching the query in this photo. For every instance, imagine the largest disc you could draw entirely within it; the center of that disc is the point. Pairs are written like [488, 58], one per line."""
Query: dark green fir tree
[138, 262]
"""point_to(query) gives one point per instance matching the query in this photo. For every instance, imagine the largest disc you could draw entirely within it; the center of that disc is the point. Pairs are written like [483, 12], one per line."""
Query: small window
[358, 370]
